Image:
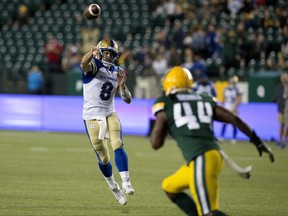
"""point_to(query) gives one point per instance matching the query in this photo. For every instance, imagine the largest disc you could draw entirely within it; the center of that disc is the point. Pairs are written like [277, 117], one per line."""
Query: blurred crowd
[237, 33]
[217, 38]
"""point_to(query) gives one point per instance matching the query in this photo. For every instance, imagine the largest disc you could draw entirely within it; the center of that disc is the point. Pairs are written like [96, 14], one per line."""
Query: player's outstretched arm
[86, 59]
[223, 115]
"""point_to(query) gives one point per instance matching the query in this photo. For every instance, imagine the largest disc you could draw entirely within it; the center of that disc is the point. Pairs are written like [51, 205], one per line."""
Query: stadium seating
[23, 46]
[29, 40]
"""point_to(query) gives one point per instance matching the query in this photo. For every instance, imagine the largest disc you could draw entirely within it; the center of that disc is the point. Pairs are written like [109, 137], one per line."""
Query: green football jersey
[190, 118]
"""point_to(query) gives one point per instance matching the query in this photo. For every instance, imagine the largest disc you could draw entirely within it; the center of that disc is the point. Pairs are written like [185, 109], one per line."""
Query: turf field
[56, 174]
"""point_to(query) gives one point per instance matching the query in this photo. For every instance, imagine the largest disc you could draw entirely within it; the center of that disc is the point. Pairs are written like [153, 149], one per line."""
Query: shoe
[220, 139]
[233, 141]
[127, 188]
[119, 195]
[281, 144]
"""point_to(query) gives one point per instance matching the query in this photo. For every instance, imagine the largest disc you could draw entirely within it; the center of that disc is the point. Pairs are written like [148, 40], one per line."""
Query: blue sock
[121, 159]
[223, 130]
[234, 132]
[106, 169]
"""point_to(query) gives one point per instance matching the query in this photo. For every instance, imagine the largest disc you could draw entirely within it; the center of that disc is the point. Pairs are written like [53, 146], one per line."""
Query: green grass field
[57, 174]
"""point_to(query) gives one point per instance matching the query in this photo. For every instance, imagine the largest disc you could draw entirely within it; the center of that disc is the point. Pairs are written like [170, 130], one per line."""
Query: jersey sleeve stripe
[158, 107]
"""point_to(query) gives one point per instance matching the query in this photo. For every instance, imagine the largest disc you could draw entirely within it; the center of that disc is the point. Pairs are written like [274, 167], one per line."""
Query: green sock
[185, 203]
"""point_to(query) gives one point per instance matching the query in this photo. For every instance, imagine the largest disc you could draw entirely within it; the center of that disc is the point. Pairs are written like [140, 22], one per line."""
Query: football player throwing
[101, 79]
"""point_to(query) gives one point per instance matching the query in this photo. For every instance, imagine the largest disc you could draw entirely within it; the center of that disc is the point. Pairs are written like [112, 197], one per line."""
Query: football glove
[261, 146]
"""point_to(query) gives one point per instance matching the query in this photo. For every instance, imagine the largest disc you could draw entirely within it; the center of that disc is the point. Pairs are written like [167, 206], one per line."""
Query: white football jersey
[230, 97]
[99, 89]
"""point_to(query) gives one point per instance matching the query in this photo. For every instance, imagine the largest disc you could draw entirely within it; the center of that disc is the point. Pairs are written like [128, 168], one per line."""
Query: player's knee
[103, 156]
[97, 144]
[166, 185]
[101, 151]
[116, 145]
[105, 159]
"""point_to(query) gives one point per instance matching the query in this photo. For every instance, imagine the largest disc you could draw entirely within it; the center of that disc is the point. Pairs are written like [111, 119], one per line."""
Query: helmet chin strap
[107, 64]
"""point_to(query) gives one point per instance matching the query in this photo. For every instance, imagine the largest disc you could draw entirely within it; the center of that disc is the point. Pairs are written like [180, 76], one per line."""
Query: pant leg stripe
[201, 184]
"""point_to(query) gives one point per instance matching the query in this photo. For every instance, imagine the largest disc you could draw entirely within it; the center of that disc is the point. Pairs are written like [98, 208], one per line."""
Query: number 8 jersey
[99, 89]
[189, 117]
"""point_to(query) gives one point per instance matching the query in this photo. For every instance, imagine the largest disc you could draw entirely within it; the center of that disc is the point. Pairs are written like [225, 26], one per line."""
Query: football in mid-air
[92, 11]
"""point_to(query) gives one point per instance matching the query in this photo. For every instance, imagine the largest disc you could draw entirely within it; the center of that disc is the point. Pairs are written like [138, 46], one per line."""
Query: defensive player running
[188, 117]
[231, 101]
[101, 78]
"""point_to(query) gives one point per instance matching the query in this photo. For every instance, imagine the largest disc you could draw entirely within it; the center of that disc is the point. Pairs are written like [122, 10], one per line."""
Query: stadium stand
[138, 23]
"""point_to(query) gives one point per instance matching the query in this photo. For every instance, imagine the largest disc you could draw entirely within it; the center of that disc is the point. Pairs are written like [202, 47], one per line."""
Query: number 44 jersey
[190, 119]
[99, 89]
